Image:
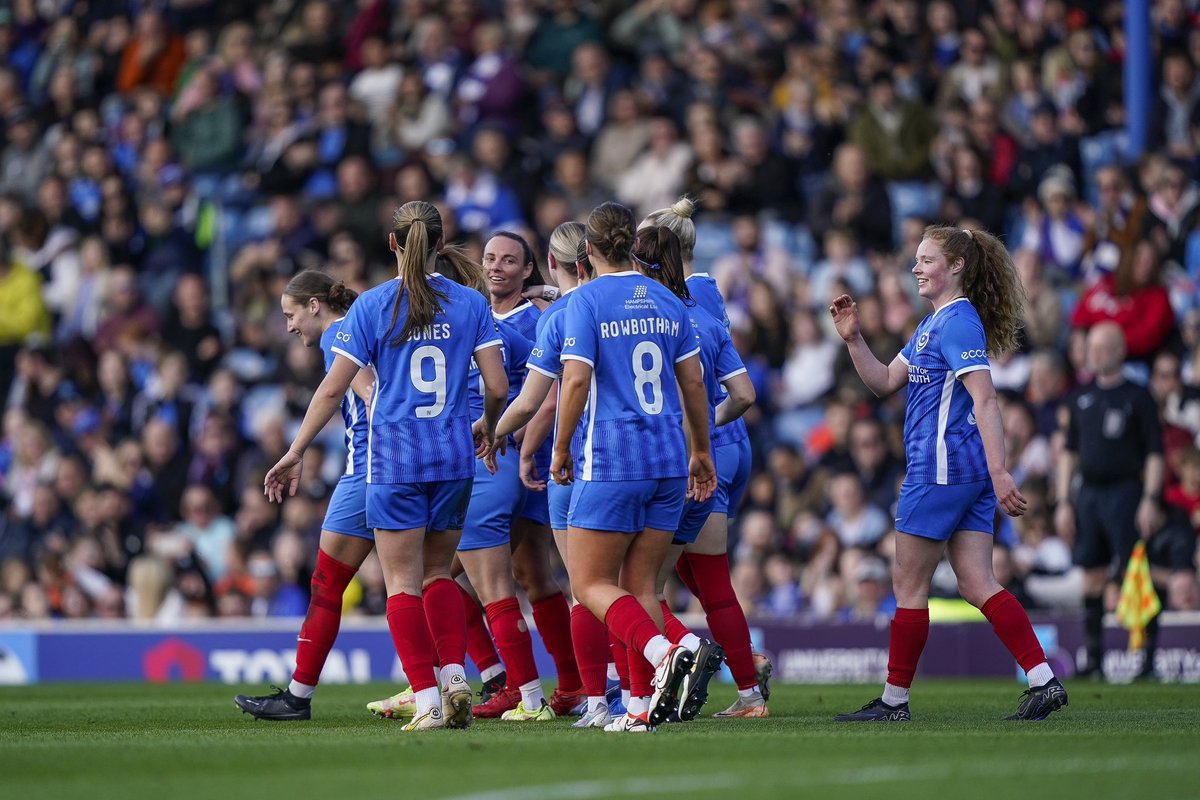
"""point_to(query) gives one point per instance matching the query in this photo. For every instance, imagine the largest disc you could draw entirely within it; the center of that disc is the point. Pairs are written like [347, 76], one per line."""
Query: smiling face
[505, 267]
[937, 280]
[303, 319]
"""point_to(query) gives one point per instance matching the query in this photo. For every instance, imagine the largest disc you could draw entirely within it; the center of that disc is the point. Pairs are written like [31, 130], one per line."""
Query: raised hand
[845, 317]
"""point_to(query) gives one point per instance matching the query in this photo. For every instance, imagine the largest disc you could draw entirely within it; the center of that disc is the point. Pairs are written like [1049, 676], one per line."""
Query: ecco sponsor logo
[973, 354]
[342, 336]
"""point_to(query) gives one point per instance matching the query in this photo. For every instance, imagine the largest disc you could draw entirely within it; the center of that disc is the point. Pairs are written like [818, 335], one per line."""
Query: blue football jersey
[354, 410]
[545, 357]
[703, 289]
[514, 350]
[941, 438]
[524, 318]
[420, 414]
[717, 357]
[632, 331]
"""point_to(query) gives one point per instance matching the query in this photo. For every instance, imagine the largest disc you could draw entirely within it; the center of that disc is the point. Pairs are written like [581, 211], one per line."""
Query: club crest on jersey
[922, 340]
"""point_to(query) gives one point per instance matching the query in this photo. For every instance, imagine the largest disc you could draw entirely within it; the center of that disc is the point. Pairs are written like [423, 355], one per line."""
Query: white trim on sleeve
[540, 371]
[733, 374]
[486, 345]
[972, 368]
[686, 356]
[584, 359]
[341, 352]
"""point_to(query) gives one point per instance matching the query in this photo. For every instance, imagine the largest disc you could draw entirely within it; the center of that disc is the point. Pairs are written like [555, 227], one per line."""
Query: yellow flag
[1139, 602]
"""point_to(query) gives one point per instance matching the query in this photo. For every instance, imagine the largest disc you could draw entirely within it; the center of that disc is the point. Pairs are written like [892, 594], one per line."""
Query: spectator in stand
[656, 177]
[25, 316]
[878, 470]
[1176, 106]
[895, 133]
[855, 200]
[491, 90]
[1135, 299]
[765, 180]
[970, 195]
[414, 118]
[753, 259]
[976, 75]
[153, 58]
[1053, 229]
[1115, 224]
[190, 328]
[1174, 203]
[623, 137]
[590, 88]
[481, 203]
[1046, 149]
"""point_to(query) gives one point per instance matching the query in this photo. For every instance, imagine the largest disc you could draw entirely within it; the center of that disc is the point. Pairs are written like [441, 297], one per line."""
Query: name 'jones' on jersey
[632, 332]
[941, 437]
[420, 421]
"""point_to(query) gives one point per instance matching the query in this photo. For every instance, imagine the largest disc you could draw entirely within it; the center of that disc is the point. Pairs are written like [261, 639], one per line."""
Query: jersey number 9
[435, 387]
[652, 377]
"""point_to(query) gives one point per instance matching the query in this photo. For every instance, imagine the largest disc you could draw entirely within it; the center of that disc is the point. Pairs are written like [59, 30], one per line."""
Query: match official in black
[1114, 441]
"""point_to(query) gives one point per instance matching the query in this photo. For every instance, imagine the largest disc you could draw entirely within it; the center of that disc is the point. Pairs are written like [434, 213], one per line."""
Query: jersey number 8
[435, 387]
[652, 377]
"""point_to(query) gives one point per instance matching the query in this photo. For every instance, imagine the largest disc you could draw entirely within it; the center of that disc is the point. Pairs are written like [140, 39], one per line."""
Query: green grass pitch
[182, 741]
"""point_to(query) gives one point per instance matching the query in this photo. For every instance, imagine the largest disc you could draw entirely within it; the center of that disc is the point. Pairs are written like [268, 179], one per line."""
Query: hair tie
[967, 231]
[646, 264]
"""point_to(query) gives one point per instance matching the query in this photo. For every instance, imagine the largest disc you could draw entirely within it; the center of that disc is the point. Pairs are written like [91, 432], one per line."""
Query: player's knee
[977, 590]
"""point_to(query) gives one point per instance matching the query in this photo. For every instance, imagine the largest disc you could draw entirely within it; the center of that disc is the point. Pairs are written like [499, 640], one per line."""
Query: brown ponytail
[659, 257]
[313, 283]
[417, 228]
[990, 282]
[582, 262]
[456, 265]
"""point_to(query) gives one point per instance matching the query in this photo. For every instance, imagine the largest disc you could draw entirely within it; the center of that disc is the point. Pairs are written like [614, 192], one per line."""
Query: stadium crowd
[168, 167]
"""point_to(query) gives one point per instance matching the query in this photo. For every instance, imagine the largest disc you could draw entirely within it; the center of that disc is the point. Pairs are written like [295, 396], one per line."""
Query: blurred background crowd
[168, 166]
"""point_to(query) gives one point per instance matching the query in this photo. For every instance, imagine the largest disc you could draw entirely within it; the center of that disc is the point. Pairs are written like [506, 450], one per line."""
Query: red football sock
[324, 617]
[552, 616]
[641, 675]
[590, 640]
[410, 635]
[479, 641]
[676, 630]
[512, 637]
[910, 629]
[1011, 624]
[726, 620]
[447, 622]
[632, 625]
[620, 657]
[683, 568]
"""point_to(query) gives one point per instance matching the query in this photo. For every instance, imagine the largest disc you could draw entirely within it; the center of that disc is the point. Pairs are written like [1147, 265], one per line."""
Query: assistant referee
[1115, 442]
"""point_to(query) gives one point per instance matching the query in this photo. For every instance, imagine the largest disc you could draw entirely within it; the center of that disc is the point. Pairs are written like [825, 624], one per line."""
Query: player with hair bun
[621, 332]
[315, 306]
[535, 409]
[730, 393]
[704, 565]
